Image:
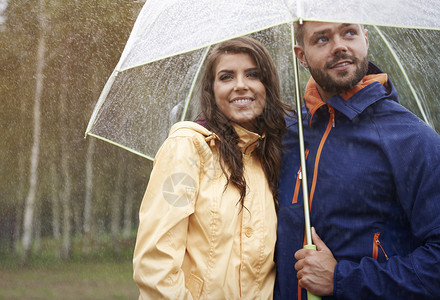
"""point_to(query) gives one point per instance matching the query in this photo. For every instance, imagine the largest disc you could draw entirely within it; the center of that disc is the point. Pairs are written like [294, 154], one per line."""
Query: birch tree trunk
[66, 241]
[55, 201]
[19, 210]
[37, 231]
[65, 204]
[128, 208]
[66, 177]
[115, 225]
[33, 178]
[88, 197]
[87, 227]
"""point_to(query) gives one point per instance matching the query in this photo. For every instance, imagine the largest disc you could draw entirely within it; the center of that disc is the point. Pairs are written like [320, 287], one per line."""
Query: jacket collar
[373, 87]
[248, 141]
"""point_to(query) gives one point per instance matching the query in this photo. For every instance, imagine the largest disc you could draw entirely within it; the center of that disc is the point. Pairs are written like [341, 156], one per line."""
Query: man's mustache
[339, 57]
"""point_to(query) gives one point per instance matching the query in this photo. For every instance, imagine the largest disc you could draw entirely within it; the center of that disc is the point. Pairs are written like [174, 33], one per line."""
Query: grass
[107, 280]
[105, 275]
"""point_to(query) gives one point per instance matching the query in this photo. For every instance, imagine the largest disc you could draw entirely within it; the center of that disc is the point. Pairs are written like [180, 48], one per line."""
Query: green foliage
[104, 249]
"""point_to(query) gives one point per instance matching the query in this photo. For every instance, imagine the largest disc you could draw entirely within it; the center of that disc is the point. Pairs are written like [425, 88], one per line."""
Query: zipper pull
[332, 115]
[378, 244]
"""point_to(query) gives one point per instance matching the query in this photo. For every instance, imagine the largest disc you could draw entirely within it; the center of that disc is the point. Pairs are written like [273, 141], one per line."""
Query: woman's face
[238, 90]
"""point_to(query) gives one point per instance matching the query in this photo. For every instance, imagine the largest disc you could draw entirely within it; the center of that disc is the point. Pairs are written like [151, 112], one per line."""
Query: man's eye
[321, 39]
[351, 33]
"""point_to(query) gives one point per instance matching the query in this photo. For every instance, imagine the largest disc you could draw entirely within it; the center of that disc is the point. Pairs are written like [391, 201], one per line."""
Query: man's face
[336, 55]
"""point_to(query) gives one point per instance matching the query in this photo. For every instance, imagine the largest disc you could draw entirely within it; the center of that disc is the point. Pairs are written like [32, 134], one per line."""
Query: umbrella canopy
[152, 86]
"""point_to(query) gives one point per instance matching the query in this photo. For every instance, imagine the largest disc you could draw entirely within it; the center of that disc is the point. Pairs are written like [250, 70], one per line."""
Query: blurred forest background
[64, 197]
[60, 192]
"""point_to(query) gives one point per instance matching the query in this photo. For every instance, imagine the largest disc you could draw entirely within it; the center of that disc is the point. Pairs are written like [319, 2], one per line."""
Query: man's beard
[329, 84]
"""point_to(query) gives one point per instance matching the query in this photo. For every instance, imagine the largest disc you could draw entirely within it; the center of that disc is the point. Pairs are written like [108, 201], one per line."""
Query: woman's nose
[240, 83]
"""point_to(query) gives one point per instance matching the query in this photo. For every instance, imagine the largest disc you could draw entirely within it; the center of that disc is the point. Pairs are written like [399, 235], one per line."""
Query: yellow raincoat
[194, 240]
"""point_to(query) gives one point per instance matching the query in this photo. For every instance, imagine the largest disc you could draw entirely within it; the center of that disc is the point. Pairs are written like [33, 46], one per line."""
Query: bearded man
[374, 181]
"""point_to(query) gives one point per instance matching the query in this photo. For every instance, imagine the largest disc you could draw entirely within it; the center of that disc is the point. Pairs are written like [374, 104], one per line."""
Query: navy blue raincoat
[374, 182]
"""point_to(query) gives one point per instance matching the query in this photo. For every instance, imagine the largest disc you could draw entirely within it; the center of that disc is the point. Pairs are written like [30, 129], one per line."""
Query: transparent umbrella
[153, 85]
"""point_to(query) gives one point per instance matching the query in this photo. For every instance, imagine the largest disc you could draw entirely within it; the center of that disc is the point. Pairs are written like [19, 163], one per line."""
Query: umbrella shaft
[302, 154]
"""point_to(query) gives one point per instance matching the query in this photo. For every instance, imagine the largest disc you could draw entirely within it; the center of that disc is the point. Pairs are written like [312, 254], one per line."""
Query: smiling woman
[224, 169]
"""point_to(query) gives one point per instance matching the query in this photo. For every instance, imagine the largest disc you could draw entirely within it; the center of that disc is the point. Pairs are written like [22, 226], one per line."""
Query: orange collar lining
[313, 99]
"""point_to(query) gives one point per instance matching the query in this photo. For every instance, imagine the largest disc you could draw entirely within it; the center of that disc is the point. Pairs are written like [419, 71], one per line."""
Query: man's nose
[339, 45]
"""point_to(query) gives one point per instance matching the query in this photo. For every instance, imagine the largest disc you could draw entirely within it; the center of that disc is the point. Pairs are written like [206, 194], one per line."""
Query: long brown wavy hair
[271, 121]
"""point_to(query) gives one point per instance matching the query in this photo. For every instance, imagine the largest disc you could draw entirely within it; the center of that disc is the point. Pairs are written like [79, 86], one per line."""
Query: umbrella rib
[101, 99]
[120, 145]
[405, 75]
[299, 11]
[188, 97]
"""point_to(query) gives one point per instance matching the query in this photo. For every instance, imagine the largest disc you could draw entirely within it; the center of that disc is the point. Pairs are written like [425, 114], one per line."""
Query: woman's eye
[254, 75]
[225, 77]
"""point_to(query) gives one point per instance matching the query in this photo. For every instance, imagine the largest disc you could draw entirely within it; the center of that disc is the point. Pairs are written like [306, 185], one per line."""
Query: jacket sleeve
[163, 221]
[414, 154]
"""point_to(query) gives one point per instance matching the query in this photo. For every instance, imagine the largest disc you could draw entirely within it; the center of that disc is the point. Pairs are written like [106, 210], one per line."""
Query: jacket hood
[356, 100]
[248, 140]
[192, 126]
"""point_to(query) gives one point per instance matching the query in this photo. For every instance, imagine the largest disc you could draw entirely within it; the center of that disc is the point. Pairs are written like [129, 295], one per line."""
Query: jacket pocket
[194, 286]
[377, 245]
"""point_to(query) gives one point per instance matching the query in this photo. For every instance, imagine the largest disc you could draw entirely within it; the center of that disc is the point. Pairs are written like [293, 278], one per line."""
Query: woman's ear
[299, 52]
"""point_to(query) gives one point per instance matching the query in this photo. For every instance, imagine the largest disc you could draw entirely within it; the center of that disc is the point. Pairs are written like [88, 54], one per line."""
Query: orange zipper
[377, 245]
[298, 182]
[331, 123]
